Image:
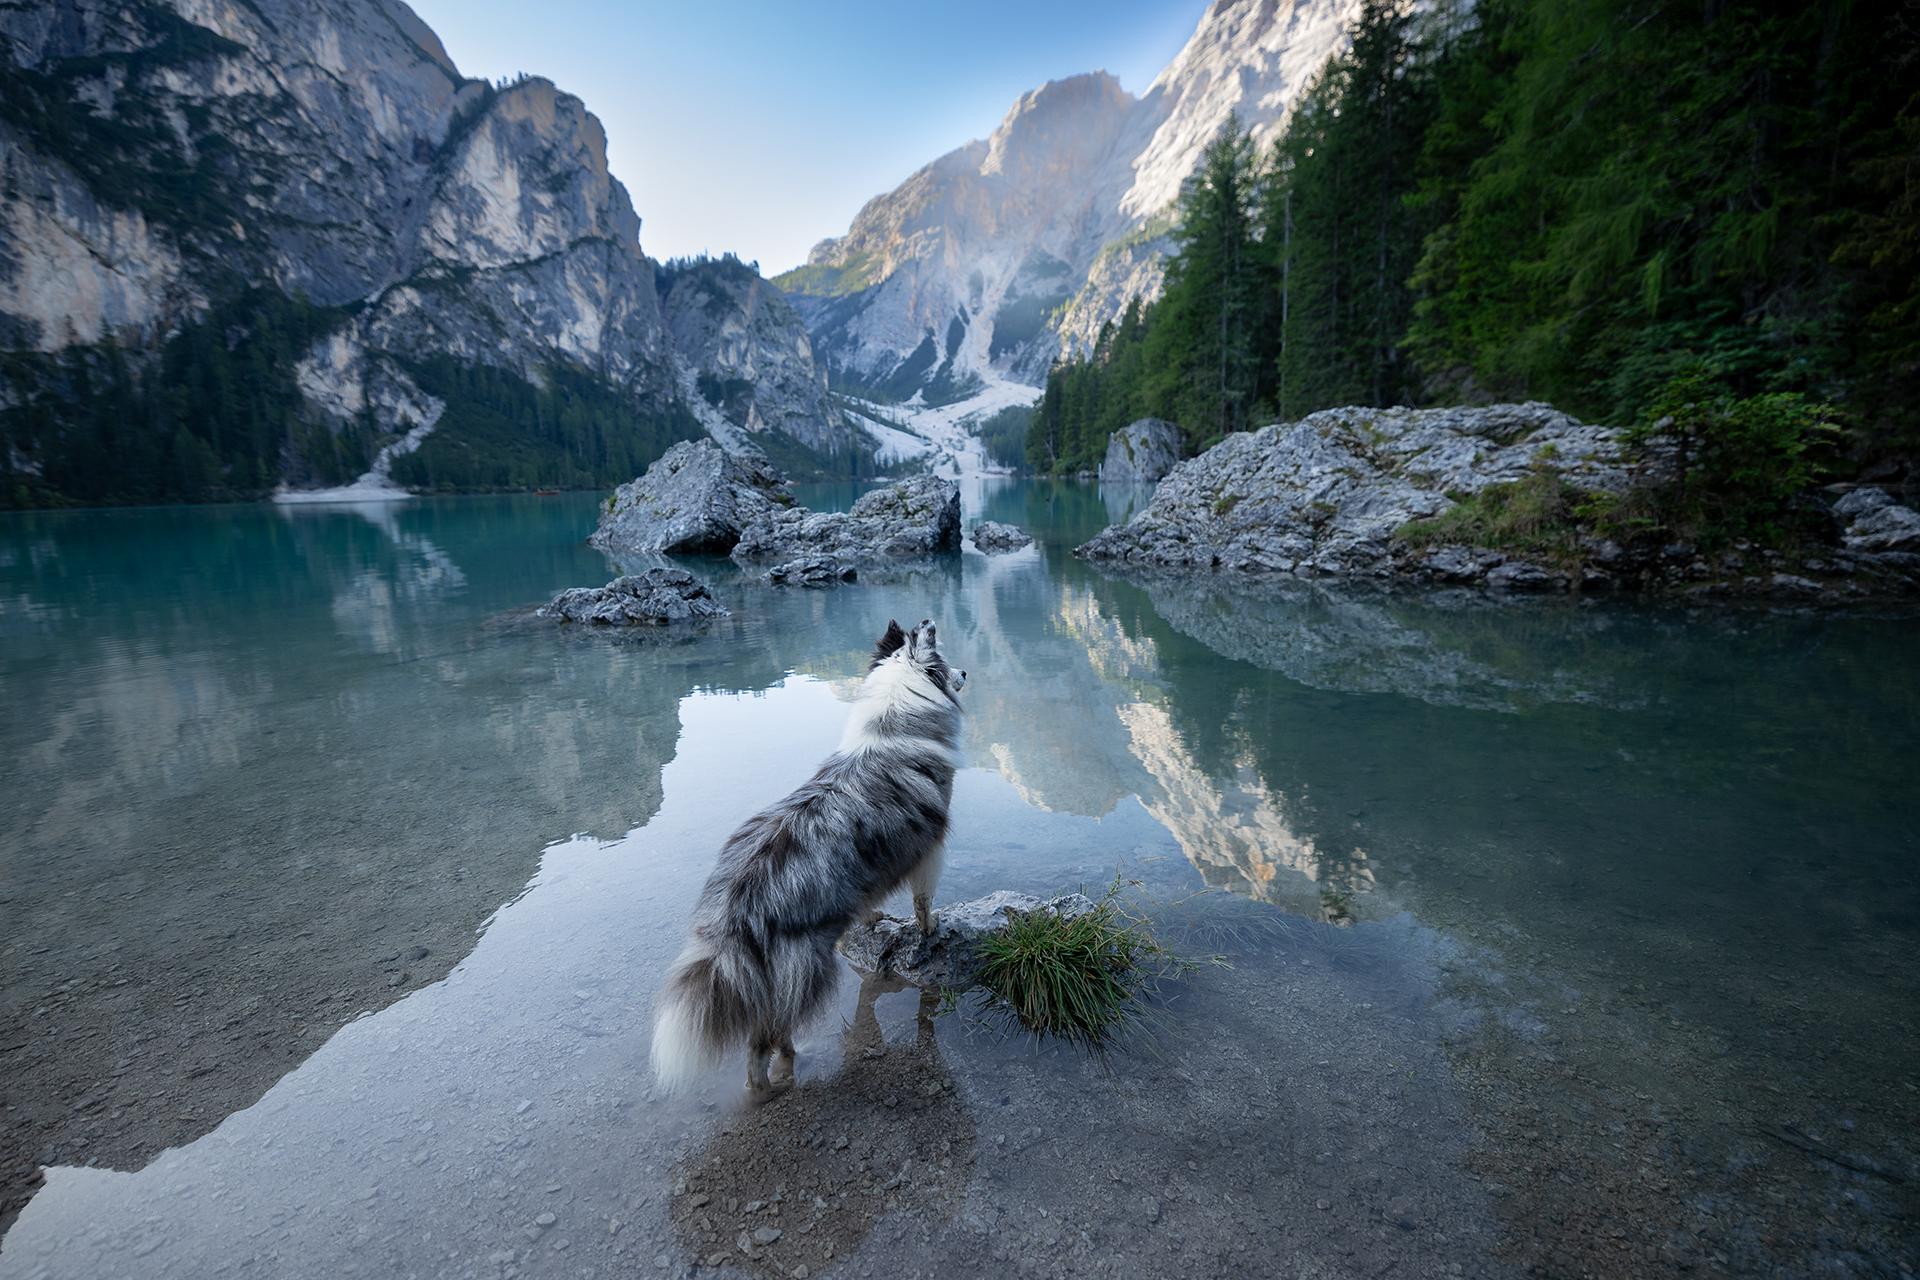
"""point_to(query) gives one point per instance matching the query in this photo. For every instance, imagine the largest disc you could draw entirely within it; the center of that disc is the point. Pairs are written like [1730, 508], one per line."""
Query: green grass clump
[1539, 514]
[1085, 979]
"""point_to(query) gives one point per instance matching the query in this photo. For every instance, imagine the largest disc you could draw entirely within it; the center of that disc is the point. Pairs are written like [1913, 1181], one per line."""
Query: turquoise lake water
[1616, 905]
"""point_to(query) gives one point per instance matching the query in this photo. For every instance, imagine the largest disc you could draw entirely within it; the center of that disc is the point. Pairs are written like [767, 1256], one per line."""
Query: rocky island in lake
[1513, 496]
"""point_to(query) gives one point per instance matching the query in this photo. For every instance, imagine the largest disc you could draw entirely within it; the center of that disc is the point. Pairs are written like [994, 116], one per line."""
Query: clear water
[1577, 935]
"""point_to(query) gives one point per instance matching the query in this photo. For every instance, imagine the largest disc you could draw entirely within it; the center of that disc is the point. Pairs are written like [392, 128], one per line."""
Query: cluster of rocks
[914, 519]
[1332, 493]
[947, 959]
[1142, 452]
[654, 598]
[992, 537]
[699, 499]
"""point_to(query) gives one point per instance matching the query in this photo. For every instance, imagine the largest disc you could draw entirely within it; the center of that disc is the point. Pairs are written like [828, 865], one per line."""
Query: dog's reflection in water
[801, 1181]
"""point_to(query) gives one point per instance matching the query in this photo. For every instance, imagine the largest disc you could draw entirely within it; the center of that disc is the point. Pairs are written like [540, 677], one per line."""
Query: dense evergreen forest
[1621, 207]
[215, 416]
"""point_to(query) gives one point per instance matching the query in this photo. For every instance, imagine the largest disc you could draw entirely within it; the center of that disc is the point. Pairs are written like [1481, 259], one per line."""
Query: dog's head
[920, 647]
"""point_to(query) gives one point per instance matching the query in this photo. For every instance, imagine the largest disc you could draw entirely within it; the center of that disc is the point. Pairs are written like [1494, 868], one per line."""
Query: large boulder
[1328, 493]
[694, 500]
[948, 959]
[913, 519]
[1874, 522]
[654, 598]
[1142, 452]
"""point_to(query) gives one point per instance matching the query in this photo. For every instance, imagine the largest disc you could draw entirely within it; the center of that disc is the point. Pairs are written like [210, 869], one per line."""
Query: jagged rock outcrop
[1329, 493]
[949, 958]
[1001, 250]
[811, 571]
[695, 500]
[992, 537]
[1874, 522]
[754, 359]
[914, 519]
[1142, 452]
[654, 598]
[162, 158]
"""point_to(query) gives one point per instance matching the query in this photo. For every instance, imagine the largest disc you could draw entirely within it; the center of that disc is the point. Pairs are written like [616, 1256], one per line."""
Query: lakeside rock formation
[1142, 452]
[694, 500]
[1328, 494]
[652, 599]
[914, 519]
[949, 958]
[1334, 493]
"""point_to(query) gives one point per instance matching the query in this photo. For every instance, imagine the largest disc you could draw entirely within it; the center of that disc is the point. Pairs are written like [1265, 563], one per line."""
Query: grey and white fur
[787, 884]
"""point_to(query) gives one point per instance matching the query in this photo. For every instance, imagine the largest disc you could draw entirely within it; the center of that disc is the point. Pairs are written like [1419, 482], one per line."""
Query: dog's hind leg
[925, 878]
[782, 1078]
[757, 1082]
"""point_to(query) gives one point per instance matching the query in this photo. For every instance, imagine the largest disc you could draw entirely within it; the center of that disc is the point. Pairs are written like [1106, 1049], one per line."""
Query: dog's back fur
[796, 874]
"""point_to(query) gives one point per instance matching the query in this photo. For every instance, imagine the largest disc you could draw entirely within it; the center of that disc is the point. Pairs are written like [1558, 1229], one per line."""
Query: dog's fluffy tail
[724, 990]
[705, 1009]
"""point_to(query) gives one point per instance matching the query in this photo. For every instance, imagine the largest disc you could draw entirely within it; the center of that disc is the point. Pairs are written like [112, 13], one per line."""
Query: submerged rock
[915, 518]
[1327, 494]
[991, 536]
[811, 571]
[1874, 522]
[1141, 452]
[695, 499]
[949, 958]
[654, 598]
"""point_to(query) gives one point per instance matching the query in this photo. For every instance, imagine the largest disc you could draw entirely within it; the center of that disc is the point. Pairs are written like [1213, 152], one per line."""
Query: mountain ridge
[1080, 228]
[166, 159]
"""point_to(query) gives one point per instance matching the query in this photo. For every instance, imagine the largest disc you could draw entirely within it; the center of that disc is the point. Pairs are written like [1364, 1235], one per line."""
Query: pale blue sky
[761, 126]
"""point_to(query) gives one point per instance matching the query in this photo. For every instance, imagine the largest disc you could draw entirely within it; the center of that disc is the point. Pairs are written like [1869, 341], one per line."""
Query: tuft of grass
[1539, 513]
[1086, 980]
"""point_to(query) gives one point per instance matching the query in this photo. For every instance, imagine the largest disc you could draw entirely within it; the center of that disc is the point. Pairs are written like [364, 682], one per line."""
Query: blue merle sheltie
[795, 875]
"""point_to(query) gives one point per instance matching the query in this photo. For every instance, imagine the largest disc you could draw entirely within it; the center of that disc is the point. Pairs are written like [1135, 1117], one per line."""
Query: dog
[787, 884]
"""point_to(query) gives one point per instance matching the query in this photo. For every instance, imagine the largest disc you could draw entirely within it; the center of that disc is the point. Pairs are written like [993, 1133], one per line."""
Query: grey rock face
[948, 959]
[992, 536]
[753, 353]
[811, 571]
[913, 519]
[358, 167]
[1141, 452]
[1327, 494]
[1876, 523]
[654, 598]
[694, 500]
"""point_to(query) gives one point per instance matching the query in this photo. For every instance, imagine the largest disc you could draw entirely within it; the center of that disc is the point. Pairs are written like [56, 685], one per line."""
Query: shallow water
[1578, 935]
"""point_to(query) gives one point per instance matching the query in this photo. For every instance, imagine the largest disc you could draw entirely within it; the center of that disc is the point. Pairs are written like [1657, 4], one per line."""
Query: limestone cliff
[164, 159]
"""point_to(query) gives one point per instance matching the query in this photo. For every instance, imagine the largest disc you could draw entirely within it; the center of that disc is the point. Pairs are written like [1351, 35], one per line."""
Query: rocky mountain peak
[987, 261]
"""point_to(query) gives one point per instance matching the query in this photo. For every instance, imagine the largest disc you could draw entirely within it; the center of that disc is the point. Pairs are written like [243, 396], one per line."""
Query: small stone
[545, 1220]
[840, 1143]
[1322, 1205]
[699, 1200]
[766, 1235]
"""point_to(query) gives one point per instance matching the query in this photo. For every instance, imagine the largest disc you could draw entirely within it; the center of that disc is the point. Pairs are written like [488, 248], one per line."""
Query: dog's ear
[889, 642]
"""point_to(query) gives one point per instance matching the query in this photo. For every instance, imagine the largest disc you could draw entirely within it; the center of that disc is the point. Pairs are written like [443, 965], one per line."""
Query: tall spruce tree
[1210, 329]
[1337, 222]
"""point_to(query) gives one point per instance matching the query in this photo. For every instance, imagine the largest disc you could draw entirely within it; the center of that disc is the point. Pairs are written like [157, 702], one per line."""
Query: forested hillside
[1612, 205]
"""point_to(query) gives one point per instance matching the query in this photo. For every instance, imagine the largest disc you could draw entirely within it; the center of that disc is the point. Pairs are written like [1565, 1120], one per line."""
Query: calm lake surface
[1577, 935]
